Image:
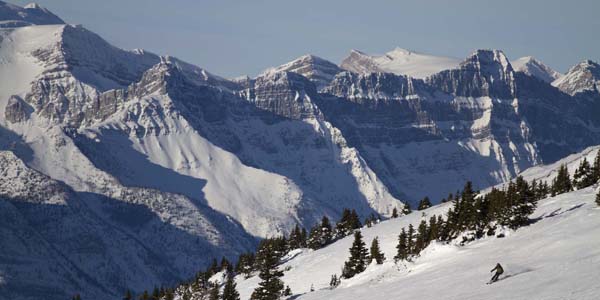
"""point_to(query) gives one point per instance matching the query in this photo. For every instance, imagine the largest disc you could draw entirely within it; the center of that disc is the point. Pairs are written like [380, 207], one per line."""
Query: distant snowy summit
[31, 14]
[583, 77]
[398, 61]
[533, 67]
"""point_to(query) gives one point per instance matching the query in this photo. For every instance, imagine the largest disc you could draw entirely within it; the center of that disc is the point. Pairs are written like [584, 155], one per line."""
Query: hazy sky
[232, 38]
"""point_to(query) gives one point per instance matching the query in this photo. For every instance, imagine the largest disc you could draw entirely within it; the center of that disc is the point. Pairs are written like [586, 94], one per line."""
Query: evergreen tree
[394, 213]
[270, 287]
[214, 293]
[584, 176]
[226, 265]
[296, 239]
[410, 244]
[562, 182]
[321, 235]
[359, 256]
[376, 252]
[144, 296]
[422, 238]
[406, 210]
[77, 297]
[433, 229]
[402, 247]
[596, 167]
[315, 238]
[598, 196]
[424, 204]
[155, 294]
[348, 223]
[230, 291]
[128, 295]
[213, 268]
[245, 264]
[524, 205]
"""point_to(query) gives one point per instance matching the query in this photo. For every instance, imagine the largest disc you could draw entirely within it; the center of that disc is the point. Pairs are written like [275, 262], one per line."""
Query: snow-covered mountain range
[129, 163]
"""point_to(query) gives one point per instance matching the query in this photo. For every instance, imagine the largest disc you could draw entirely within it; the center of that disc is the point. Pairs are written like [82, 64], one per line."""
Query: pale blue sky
[232, 38]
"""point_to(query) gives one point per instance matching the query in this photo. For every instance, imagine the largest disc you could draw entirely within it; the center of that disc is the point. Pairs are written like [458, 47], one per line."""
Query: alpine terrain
[126, 170]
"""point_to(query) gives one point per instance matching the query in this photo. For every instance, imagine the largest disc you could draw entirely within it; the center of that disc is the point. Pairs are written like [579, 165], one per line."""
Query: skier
[499, 270]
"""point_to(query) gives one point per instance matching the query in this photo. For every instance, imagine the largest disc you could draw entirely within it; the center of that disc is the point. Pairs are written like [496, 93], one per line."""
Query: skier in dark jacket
[499, 270]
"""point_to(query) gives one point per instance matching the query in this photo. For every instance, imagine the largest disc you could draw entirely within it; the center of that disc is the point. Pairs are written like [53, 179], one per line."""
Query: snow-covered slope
[398, 61]
[554, 258]
[533, 67]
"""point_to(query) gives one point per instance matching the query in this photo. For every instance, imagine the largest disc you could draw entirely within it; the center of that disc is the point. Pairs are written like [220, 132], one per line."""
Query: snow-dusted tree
[424, 204]
[348, 223]
[583, 176]
[402, 247]
[359, 257]
[271, 286]
[229, 290]
[406, 210]
[598, 197]
[214, 292]
[376, 253]
[562, 183]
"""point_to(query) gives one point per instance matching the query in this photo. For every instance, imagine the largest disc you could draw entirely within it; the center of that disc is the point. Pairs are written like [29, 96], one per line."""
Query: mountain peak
[31, 14]
[584, 76]
[33, 5]
[318, 70]
[488, 57]
[535, 68]
[399, 61]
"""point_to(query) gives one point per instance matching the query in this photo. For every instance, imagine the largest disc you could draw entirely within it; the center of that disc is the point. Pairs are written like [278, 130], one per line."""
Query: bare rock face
[484, 73]
[283, 93]
[17, 110]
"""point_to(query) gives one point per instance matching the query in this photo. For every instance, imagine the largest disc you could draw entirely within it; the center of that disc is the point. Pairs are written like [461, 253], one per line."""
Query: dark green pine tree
[433, 228]
[596, 167]
[376, 253]
[359, 256]
[562, 183]
[314, 238]
[245, 264]
[524, 205]
[402, 247]
[145, 296]
[410, 244]
[214, 293]
[271, 286]
[424, 204]
[394, 213]
[296, 240]
[230, 289]
[583, 176]
[598, 196]
[226, 265]
[128, 295]
[422, 238]
[406, 210]
[155, 294]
